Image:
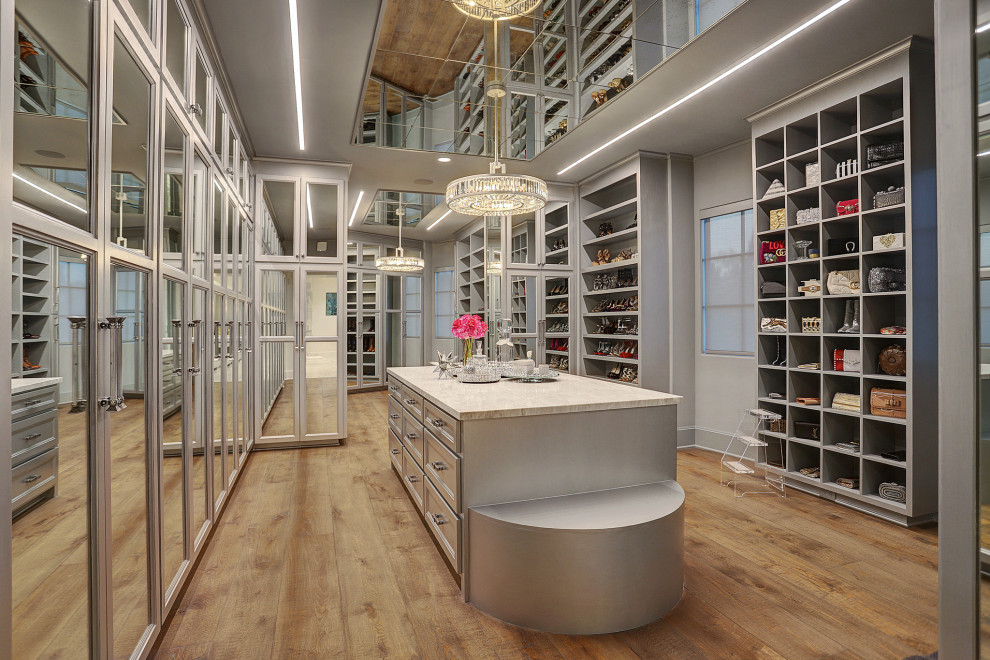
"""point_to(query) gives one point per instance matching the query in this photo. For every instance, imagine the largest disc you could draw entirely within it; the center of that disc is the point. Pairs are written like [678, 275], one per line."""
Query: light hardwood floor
[320, 554]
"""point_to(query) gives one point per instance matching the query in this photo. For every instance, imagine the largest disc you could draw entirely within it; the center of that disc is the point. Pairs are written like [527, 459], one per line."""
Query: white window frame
[746, 231]
[436, 301]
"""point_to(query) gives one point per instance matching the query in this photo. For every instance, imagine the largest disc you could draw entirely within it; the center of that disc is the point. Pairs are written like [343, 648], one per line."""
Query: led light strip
[983, 28]
[297, 71]
[439, 220]
[763, 51]
[48, 192]
[356, 205]
[309, 206]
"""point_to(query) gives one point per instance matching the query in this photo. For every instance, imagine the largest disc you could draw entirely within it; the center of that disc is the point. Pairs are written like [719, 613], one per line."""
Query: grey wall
[724, 385]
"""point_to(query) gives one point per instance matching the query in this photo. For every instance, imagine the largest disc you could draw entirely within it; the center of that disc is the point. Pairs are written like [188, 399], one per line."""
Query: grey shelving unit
[33, 273]
[885, 99]
[470, 270]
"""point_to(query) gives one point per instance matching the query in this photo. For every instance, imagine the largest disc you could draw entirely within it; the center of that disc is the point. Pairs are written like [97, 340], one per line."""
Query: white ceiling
[338, 38]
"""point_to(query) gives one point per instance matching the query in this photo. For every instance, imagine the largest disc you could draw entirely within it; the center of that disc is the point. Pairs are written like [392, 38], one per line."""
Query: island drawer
[395, 415]
[413, 479]
[444, 469]
[444, 524]
[394, 389]
[444, 425]
[412, 436]
[395, 449]
[34, 476]
[32, 436]
[25, 404]
[412, 402]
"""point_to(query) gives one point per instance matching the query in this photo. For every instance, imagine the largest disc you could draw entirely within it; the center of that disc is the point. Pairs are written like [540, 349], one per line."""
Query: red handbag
[847, 207]
[772, 252]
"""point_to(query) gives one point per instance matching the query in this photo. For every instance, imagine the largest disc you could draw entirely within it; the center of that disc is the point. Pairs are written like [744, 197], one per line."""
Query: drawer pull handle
[32, 436]
[31, 478]
[412, 478]
[393, 388]
[438, 518]
[395, 452]
[411, 402]
[32, 402]
[438, 423]
[411, 436]
[439, 466]
[393, 416]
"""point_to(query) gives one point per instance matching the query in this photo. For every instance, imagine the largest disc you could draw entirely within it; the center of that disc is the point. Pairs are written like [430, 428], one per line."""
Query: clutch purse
[888, 197]
[888, 241]
[847, 360]
[888, 403]
[846, 401]
[772, 252]
[807, 430]
[811, 288]
[883, 279]
[878, 155]
[812, 174]
[893, 361]
[804, 216]
[809, 400]
[847, 207]
[893, 330]
[772, 324]
[778, 219]
[843, 282]
[772, 290]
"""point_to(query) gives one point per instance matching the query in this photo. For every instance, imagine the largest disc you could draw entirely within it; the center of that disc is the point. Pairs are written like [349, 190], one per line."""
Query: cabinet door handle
[438, 519]
[411, 436]
[197, 325]
[439, 466]
[177, 346]
[31, 478]
[32, 436]
[115, 402]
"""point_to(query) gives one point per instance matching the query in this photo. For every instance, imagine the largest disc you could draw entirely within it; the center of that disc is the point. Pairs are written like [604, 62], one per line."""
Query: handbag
[808, 400]
[773, 324]
[772, 252]
[812, 174]
[893, 330]
[804, 216]
[893, 361]
[883, 279]
[888, 197]
[847, 360]
[846, 401]
[847, 207]
[811, 288]
[778, 219]
[888, 241]
[843, 282]
[807, 430]
[878, 155]
[888, 403]
[842, 246]
[772, 290]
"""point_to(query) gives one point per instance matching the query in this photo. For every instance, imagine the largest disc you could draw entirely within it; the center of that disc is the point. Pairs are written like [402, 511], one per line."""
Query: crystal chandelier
[495, 10]
[497, 193]
[399, 262]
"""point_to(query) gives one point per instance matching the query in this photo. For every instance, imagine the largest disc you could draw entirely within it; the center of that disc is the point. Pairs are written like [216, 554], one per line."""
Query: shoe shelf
[834, 124]
[33, 321]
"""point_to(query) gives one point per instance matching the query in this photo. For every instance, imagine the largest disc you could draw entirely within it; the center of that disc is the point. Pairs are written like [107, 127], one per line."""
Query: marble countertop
[18, 385]
[509, 398]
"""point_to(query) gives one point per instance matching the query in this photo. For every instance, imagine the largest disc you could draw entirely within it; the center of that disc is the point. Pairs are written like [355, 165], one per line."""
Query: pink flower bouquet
[468, 328]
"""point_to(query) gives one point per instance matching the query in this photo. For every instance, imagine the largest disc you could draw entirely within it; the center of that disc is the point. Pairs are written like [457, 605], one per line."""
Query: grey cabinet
[34, 441]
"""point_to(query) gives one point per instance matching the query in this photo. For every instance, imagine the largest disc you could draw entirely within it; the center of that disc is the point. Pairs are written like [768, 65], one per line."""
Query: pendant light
[496, 193]
[399, 262]
[495, 10]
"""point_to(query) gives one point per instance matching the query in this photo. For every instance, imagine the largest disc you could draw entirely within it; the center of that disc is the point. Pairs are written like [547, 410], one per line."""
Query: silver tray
[534, 378]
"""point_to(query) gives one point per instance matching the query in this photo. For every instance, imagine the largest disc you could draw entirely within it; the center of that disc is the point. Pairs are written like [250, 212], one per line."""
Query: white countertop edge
[626, 397]
[20, 385]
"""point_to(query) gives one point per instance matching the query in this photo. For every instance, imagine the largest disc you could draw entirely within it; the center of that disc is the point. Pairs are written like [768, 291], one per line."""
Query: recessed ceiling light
[356, 205]
[444, 159]
[438, 220]
[722, 76]
[297, 71]
[423, 182]
[49, 154]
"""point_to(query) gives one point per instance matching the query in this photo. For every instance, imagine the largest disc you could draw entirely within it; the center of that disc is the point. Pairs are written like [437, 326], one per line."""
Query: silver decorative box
[812, 174]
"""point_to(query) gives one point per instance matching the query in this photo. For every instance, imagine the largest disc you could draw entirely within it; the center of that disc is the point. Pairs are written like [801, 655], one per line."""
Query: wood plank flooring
[320, 554]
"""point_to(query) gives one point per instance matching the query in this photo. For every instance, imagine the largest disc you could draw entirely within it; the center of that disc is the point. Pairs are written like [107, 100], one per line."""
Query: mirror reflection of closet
[522, 241]
[129, 464]
[494, 269]
[200, 207]
[50, 441]
[173, 446]
[278, 217]
[51, 108]
[982, 55]
[199, 355]
[218, 222]
[321, 220]
[173, 193]
[229, 416]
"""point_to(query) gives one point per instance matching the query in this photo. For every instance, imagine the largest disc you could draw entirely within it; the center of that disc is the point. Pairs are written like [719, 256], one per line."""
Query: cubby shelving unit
[470, 268]
[33, 270]
[884, 100]
[470, 104]
[364, 308]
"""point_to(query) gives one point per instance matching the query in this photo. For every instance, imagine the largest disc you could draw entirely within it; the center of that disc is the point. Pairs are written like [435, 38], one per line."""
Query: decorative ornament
[445, 365]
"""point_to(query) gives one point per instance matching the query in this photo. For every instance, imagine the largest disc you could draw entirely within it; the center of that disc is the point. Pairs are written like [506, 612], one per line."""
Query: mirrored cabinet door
[200, 226]
[279, 348]
[199, 357]
[278, 218]
[176, 44]
[220, 467]
[229, 397]
[320, 354]
[173, 194]
[173, 408]
[53, 327]
[322, 220]
[522, 239]
[128, 446]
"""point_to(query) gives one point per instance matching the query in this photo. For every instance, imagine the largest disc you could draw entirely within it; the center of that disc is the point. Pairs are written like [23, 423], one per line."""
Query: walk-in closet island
[555, 504]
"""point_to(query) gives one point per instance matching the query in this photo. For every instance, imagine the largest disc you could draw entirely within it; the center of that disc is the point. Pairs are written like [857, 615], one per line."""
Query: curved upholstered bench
[588, 563]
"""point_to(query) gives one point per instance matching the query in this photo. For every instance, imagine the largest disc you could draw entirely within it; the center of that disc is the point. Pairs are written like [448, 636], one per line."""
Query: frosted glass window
[727, 265]
[709, 11]
[443, 303]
